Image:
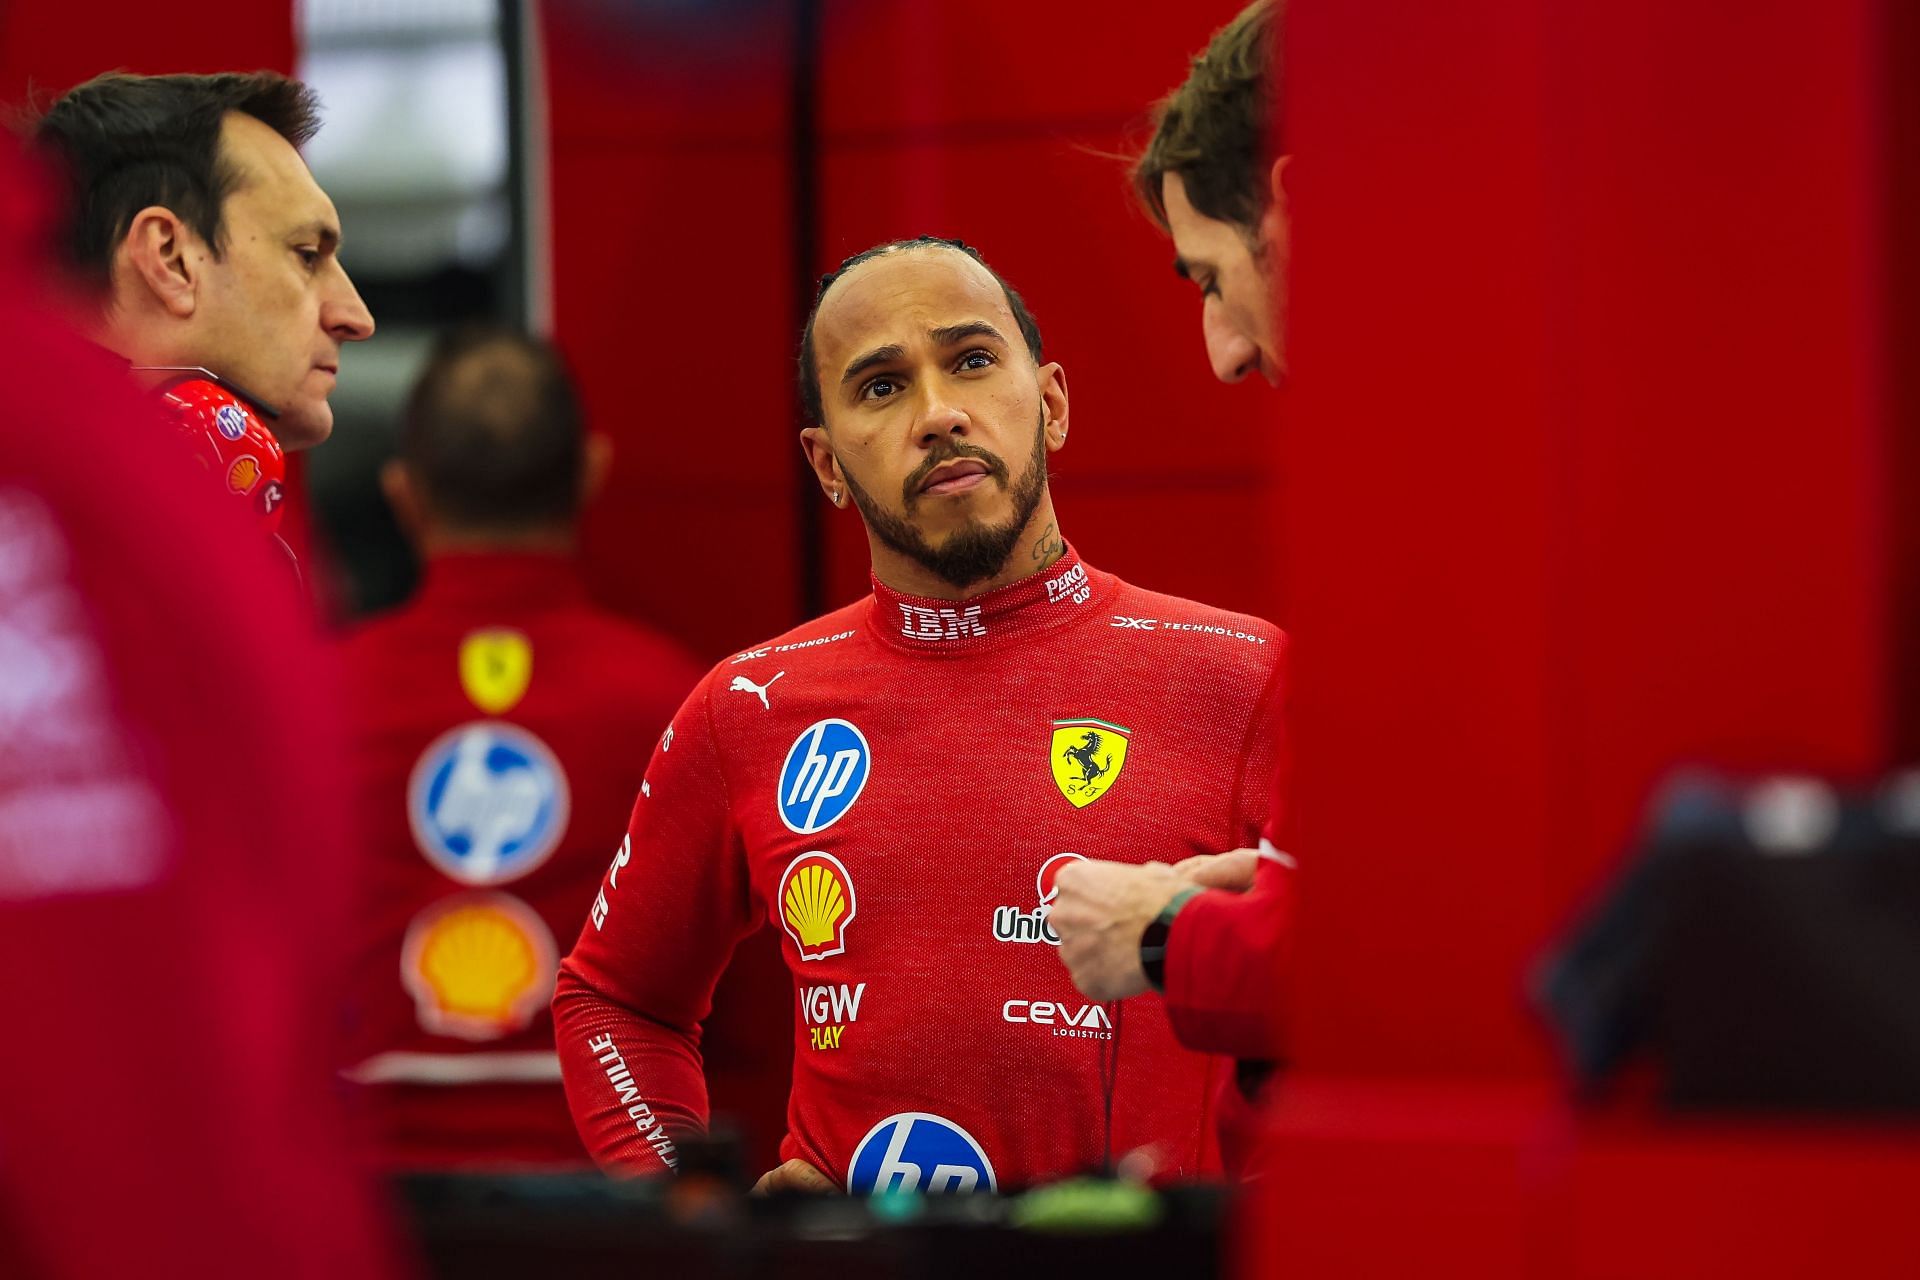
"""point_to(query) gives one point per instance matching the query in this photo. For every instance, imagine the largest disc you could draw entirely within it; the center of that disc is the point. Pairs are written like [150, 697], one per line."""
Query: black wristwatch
[1153, 939]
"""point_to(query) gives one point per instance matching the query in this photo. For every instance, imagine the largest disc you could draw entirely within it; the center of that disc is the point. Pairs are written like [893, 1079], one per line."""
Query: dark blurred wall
[673, 170]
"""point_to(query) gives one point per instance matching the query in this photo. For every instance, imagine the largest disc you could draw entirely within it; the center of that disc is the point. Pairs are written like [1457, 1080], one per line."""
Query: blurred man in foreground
[169, 867]
[1211, 932]
[207, 258]
[497, 718]
[896, 786]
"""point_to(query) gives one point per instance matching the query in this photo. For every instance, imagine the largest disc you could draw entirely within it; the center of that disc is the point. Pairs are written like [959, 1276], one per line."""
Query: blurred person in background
[202, 246]
[895, 786]
[1210, 932]
[500, 722]
[169, 861]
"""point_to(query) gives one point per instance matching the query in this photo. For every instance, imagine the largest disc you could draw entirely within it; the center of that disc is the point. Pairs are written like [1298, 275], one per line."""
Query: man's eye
[977, 360]
[1209, 288]
[878, 389]
[309, 258]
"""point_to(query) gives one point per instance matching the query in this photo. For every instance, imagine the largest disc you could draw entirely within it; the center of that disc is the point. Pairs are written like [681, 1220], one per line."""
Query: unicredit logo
[1013, 924]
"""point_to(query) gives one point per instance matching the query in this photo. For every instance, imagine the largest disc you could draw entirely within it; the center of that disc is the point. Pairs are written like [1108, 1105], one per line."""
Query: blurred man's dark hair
[124, 143]
[810, 400]
[1220, 130]
[493, 438]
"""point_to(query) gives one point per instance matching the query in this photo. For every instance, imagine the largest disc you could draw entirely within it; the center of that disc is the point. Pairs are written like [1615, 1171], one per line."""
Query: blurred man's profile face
[1242, 284]
[934, 409]
[276, 306]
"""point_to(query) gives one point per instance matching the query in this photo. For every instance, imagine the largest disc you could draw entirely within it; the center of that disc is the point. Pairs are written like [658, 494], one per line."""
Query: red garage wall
[1587, 469]
[49, 46]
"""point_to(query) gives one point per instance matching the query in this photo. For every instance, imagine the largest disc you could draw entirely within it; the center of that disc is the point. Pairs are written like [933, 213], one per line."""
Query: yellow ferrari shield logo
[1087, 758]
[495, 665]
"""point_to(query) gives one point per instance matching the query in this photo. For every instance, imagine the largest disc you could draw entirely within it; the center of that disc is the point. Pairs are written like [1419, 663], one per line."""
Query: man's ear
[397, 484]
[1053, 405]
[818, 449]
[154, 253]
[1274, 221]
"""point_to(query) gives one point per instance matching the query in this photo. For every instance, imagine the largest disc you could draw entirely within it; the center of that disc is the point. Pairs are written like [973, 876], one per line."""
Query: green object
[1088, 1207]
[896, 1206]
[1153, 939]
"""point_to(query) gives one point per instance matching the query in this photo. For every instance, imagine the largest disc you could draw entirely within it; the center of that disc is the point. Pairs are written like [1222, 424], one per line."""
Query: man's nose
[1232, 354]
[344, 315]
[940, 416]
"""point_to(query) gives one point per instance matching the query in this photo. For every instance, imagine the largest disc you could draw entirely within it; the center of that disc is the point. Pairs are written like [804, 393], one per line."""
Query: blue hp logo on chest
[487, 802]
[916, 1151]
[826, 769]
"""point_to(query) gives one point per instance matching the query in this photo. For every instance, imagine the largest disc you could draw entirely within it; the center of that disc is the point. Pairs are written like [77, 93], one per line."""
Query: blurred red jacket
[501, 727]
[169, 870]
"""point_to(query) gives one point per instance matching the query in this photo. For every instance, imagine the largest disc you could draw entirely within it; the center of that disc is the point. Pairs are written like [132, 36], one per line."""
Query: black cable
[1109, 1073]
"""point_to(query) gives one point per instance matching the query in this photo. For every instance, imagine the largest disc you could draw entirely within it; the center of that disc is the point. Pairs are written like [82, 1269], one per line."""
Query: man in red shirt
[169, 867]
[495, 719]
[202, 240]
[1211, 932]
[895, 788]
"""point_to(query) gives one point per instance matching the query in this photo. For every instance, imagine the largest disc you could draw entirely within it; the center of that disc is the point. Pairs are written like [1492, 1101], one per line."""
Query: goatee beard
[978, 550]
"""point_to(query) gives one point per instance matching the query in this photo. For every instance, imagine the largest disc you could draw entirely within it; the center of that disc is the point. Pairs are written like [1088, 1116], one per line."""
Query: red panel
[51, 46]
[1755, 1203]
[1417, 532]
[1718, 412]
[707, 74]
[1583, 483]
[674, 314]
[901, 67]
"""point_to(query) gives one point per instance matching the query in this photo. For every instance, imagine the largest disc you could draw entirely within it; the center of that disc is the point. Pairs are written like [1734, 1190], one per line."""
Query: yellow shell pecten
[479, 963]
[815, 903]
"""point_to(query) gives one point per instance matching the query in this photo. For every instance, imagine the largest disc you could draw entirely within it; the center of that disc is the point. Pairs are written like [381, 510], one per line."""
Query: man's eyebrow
[954, 334]
[879, 355]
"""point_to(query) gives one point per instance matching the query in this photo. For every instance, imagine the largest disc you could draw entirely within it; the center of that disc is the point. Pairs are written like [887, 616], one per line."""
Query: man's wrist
[1153, 939]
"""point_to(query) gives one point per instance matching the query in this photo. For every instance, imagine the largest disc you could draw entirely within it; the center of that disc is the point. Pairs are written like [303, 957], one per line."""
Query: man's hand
[1232, 870]
[795, 1175]
[1099, 913]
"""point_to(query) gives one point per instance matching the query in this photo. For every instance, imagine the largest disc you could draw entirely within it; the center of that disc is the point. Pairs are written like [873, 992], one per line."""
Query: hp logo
[915, 1151]
[825, 771]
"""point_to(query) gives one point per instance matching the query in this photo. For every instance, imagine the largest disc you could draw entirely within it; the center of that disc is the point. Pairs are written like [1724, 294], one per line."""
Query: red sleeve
[1228, 954]
[631, 997]
[1226, 960]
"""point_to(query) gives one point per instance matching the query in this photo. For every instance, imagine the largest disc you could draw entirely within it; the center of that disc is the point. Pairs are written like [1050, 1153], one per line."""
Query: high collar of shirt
[1065, 592]
[501, 581]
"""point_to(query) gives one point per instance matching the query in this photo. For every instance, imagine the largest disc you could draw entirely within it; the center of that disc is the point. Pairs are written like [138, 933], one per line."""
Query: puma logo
[743, 685]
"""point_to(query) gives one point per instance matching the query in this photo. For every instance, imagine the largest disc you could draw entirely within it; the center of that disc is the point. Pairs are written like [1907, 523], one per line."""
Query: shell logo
[243, 474]
[816, 904]
[479, 966]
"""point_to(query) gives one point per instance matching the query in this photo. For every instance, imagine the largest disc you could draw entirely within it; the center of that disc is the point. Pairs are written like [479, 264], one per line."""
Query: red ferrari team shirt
[498, 721]
[893, 788]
